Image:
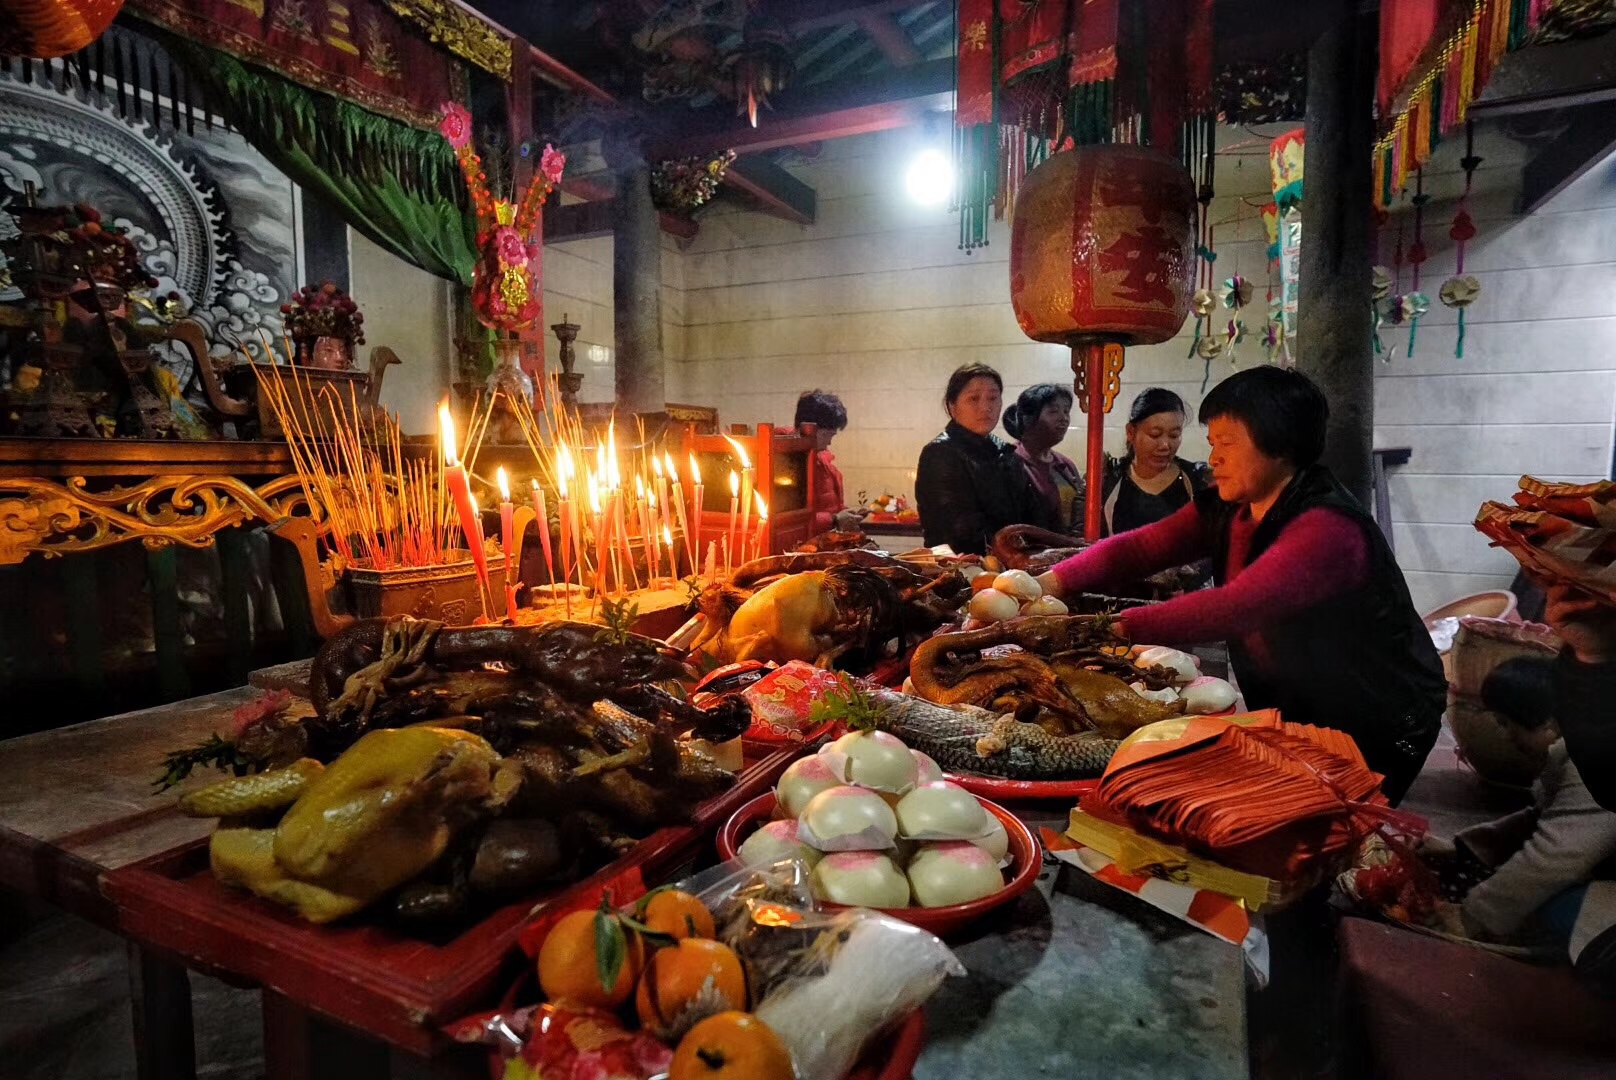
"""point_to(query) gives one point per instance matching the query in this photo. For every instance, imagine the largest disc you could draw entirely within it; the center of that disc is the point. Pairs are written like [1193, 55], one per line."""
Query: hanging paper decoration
[1431, 97]
[1416, 251]
[1274, 341]
[1034, 77]
[1236, 295]
[1460, 290]
[1381, 281]
[1285, 159]
[508, 291]
[46, 29]
[1270, 224]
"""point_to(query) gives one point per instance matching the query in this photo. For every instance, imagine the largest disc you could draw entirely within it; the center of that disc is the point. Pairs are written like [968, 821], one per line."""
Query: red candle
[762, 525]
[569, 531]
[454, 474]
[747, 474]
[734, 509]
[543, 513]
[506, 510]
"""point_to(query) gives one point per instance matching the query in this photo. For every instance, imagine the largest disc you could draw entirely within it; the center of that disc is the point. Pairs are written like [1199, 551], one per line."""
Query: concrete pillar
[1334, 324]
[637, 293]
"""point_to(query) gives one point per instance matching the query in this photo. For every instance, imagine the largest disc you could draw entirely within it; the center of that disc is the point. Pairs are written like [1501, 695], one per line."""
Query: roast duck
[450, 766]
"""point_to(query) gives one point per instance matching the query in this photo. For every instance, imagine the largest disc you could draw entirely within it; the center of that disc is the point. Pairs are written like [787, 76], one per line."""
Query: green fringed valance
[398, 185]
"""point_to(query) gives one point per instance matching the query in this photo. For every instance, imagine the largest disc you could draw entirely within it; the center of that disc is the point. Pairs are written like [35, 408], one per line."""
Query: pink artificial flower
[551, 164]
[456, 125]
[510, 246]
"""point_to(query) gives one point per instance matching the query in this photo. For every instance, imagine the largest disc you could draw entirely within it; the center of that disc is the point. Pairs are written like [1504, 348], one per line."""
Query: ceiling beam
[826, 13]
[772, 190]
[847, 107]
[890, 38]
[1589, 140]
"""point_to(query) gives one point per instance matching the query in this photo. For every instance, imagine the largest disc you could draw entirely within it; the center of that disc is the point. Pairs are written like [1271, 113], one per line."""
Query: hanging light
[930, 178]
[763, 65]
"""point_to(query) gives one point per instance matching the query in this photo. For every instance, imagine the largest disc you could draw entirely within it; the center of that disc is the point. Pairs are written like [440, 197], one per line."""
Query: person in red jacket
[1307, 592]
[825, 410]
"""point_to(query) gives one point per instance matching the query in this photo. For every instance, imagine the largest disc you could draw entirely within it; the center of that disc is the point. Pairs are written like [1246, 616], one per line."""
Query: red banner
[352, 49]
[1407, 29]
[974, 91]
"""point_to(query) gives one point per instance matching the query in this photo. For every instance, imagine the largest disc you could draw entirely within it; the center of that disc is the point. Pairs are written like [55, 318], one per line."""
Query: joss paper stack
[1252, 792]
[1564, 533]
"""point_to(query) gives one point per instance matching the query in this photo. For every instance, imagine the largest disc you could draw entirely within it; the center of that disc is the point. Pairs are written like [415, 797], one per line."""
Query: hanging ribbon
[1416, 251]
[1460, 290]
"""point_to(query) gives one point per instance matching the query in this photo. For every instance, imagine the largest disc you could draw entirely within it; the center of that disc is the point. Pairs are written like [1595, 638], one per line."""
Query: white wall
[408, 310]
[1534, 391]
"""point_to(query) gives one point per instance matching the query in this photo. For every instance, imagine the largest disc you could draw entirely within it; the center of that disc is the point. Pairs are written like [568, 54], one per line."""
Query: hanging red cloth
[1407, 29]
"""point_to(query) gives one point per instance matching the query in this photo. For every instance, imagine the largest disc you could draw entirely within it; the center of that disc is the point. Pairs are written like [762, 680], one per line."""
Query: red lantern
[1102, 255]
[50, 28]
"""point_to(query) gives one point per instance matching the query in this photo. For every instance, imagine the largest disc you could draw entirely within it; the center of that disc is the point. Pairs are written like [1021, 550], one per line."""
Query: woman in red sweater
[826, 411]
[1307, 593]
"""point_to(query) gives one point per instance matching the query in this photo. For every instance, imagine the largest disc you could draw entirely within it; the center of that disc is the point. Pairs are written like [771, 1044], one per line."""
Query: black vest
[1362, 662]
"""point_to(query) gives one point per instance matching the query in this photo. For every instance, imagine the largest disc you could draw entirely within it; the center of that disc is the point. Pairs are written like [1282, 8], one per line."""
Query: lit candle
[660, 504]
[747, 476]
[505, 512]
[762, 525]
[696, 512]
[734, 509]
[642, 511]
[655, 515]
[565, 511]
[597, 520]
[542, 510]
[684, 524]
[673, 561]
[454, 475]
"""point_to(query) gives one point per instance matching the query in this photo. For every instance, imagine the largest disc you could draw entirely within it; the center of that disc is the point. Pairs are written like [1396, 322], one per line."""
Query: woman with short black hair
[1038, 422]
[969, 484]
[1307, 593]
[826, 412]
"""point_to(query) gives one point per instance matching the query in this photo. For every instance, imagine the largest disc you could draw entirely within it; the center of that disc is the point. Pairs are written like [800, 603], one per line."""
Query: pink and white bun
[848, 818]
[775, 842]
[996, 842]
[941, 811]
[930, 771]
[873, 759]
[1207, 695]
[1019, 584]
[860, 879]
[1044, 605]
[802, 780]
[952, 872]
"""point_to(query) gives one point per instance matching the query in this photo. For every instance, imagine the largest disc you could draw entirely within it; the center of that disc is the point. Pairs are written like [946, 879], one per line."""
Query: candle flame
[734, 485]
[667, 536]
[695, 470]
[650, 496]
[561, 483]
[667, 459]
[740, 451]
[639, 486]
[564, 461]
[446, 435]
[594, 495]
[656, 466]
[762, 507]
[475, 509]
[504, 484]
[600, 462]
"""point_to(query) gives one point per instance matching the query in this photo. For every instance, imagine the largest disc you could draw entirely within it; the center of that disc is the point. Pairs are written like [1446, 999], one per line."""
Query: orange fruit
[731, 1046]
[687, 982]
[982, 581]
[570, 967]
[677, 914]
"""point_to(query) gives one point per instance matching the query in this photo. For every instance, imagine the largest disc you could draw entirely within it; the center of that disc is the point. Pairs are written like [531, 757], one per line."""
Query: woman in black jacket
[969, 483]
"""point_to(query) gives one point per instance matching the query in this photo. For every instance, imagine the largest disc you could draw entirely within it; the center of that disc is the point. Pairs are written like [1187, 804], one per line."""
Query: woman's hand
[1583, 623]
[1050, 584]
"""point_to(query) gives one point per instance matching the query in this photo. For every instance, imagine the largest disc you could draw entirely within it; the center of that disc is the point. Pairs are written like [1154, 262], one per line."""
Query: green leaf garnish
[611, 946]
[213, 752]
[618, 618]
[849, 703]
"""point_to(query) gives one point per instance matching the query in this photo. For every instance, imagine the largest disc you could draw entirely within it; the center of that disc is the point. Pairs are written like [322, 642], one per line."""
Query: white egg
[991, 605]
[941, 811]
[952, 872]
[860, 879]
[996, 842]
[970, 572]
[802, 780]
[1161, 656]
[848, 819]
[1208, 695]
[774, 842]
[1044, 605]
[1019, 584]
[875, 759]
[929, 769]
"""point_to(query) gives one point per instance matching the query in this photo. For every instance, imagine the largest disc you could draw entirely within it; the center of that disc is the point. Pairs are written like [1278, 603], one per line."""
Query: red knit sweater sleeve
[1320, 555]
[1130, 556]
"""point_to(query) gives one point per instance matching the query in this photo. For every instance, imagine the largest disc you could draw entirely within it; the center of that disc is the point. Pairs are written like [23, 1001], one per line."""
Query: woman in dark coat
[1151, 482]
[1308, 594]
[969, 483]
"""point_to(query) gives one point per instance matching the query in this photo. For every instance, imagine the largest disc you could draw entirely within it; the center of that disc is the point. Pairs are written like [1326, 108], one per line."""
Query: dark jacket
[1585, 709]
[969, 486]
[1196, 475]
[1362, 663]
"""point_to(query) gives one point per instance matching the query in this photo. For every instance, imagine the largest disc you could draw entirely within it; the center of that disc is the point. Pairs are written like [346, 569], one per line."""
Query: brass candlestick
[566, 333]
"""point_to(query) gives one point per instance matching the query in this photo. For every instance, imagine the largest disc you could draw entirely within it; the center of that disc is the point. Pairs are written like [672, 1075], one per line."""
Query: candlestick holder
[566, 333]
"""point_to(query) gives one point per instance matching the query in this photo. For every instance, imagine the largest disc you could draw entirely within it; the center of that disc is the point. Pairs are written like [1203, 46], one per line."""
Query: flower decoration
[684, 185]
[1381, 283]
[1459, 292]
[1202, 303]
[1405, 307]
[507, 291]
[323, 311]
[1236, 292]
[1209, 348]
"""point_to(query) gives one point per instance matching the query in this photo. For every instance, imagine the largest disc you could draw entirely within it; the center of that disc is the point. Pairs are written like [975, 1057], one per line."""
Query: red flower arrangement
[508, 292]
[324, 311]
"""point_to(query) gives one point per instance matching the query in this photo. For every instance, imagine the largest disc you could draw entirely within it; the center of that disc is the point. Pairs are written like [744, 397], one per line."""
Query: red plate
[998, 787]
[1026, 859]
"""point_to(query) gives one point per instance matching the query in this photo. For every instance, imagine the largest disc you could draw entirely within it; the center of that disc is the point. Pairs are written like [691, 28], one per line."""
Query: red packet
[783, 701]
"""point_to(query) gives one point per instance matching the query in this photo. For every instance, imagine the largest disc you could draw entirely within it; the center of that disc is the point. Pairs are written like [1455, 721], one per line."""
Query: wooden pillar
[637, 292]
[1334, 323]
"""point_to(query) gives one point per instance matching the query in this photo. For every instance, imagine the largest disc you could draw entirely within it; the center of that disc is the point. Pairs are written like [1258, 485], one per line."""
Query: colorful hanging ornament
[507, 291]
[1416, 251]
[1236, 292]
[1460, 290]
